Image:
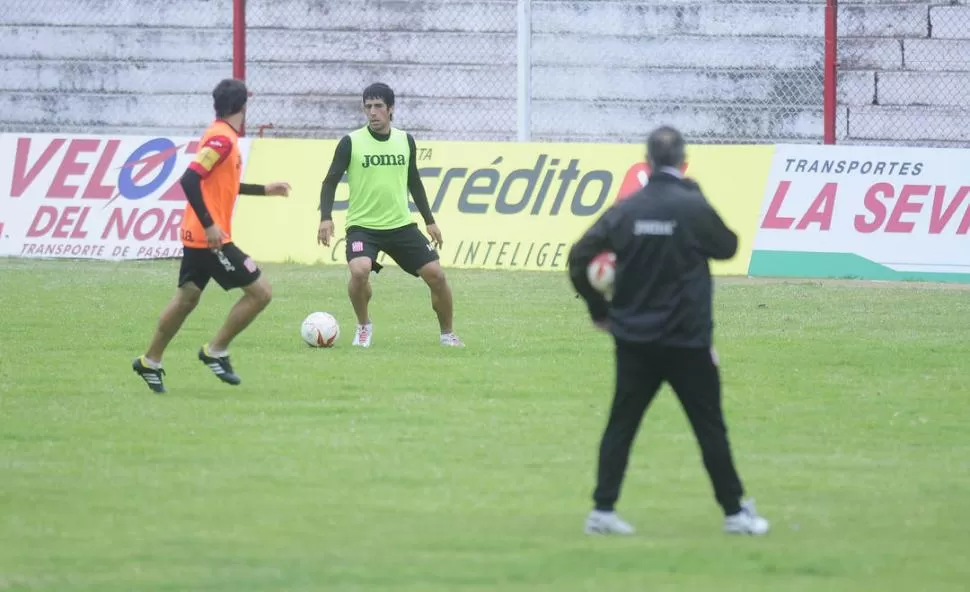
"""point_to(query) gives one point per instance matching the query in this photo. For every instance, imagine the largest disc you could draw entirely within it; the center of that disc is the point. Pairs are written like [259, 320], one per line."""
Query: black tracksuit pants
[640, 371]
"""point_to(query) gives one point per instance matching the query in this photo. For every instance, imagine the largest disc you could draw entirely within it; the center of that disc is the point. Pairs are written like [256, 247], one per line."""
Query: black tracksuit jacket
[663, 236]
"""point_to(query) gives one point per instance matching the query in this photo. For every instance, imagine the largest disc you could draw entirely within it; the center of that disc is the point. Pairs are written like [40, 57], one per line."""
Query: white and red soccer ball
[320, 329]
[601, 272]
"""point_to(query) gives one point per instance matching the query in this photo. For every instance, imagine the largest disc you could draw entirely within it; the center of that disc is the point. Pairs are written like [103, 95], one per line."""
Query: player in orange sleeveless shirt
[211, 184]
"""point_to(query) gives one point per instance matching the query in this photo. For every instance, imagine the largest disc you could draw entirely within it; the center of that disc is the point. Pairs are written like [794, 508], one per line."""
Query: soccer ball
[602, 271]
[320, 329]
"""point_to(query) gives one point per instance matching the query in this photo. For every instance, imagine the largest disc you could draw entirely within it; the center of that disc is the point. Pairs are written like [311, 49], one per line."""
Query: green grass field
[411, 467]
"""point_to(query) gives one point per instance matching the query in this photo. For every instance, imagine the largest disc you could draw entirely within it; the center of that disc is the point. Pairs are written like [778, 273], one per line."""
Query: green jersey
[378, 179]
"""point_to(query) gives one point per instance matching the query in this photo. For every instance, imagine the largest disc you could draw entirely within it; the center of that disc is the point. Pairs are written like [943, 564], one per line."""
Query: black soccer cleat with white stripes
[220, 366]
[151, 376]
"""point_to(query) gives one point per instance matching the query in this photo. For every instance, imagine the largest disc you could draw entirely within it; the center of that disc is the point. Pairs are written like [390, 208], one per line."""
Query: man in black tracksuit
[660, 315]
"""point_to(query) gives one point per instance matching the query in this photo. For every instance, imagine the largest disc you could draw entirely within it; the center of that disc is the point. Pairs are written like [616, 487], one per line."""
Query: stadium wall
[904, 73]
[724, 71]
[112, 67]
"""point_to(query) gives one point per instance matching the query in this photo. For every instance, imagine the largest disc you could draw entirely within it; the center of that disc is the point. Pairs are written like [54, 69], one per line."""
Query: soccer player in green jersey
[381, 166]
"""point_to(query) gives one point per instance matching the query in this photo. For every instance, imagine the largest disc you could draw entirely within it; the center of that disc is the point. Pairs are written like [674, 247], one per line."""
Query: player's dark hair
[229, 97]
[381, 91]
[666, 147]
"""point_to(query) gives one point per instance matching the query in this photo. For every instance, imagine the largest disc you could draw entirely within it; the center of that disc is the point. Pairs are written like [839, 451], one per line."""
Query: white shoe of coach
[747, 521]
[606, 523]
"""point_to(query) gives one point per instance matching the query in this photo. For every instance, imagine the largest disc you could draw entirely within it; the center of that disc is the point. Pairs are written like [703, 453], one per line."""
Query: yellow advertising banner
[498, 205]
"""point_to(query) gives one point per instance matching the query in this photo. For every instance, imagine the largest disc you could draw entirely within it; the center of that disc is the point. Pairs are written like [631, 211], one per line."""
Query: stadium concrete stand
[905, 73]
[723, 70]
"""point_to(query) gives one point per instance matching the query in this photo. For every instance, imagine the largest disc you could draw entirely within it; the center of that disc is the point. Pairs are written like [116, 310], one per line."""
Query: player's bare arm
[280, 188]
[420, 196]
[328, 191]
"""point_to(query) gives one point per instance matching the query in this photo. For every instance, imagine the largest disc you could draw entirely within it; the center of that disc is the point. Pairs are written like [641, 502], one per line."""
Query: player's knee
[433, 275]
[259, 292]
[187, 299]
[266, 296]
[360, 269]
[263, 294]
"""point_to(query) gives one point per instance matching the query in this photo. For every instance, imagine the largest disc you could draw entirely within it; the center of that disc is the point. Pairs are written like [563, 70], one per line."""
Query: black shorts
[230, 267]
[406, 245]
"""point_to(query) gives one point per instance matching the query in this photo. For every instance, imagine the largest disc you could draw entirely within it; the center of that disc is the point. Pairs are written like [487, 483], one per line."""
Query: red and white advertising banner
[93, 197]
[890, 213]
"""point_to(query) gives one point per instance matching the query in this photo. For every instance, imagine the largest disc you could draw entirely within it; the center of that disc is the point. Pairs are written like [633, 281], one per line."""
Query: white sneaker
[451, 340]
[606, 523]
[363, 334]
[747, 521]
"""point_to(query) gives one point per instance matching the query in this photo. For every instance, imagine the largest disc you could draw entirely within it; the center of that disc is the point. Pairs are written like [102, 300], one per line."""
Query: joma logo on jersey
[384, 160]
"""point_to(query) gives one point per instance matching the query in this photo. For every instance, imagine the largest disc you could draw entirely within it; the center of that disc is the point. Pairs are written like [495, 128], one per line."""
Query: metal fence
[544, 70]
[112, 66]
[904, 74]
[452, 65]
[719, 71]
